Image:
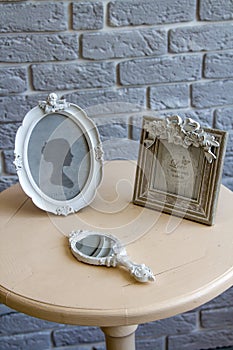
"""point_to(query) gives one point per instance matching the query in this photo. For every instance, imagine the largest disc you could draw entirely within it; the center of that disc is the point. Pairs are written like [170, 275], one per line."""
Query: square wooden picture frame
[179, 168]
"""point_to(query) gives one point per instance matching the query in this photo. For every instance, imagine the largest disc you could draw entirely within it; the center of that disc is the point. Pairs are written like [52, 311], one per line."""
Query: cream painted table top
[192, 262]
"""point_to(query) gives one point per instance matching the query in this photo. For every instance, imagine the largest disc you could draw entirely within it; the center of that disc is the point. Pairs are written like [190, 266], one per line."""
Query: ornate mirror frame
[179, 168]
[58, 132]
[97, 248]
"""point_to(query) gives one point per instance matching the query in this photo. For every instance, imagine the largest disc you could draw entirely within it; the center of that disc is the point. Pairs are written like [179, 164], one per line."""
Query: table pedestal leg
[120, 338]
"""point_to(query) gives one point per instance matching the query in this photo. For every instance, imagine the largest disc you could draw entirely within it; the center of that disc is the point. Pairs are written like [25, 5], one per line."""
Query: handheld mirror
[97, 248]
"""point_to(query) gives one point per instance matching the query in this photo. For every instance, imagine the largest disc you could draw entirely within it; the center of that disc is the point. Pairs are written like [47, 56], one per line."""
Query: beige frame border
[200, 210]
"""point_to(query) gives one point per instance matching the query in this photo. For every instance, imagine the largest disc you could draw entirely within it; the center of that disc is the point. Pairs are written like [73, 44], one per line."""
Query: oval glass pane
[95, 246]
[58, 157]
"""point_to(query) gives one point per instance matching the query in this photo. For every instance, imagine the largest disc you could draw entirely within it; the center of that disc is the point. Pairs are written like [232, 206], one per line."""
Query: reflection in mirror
[96, 248]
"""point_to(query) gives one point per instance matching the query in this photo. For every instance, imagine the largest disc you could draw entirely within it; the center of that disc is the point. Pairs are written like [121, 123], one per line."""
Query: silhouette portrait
[59, 157]
[58, 152]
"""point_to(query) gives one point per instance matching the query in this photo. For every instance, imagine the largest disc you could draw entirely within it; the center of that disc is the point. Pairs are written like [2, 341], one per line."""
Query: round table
[39, 276]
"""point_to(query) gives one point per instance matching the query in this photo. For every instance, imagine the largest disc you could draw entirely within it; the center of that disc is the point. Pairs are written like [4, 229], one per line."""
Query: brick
[14, 108]
[120, 149]
[83, 347]
[38, 16]
[9, 167]
[12, 80]
[88, 15]
[169, 96]
[16, 323]
[110, 127]
[223, 300]
[212, 10]
[5, 182]
[5, 310]
[7, 135]
[228, 168]
[201, 340]
[33, 341]
[152, 344]
[179, 324]
[160, 70]
[217, 318]
[229, 150]
[218, 65]
[77, 335]
[228, 182]
[98, 347]
[224, 120]
[201, 38]
[145, 42]
[139, 12]
[73, 75]
[214, 93]
[106, 101]
[98, 102]
[38, 47]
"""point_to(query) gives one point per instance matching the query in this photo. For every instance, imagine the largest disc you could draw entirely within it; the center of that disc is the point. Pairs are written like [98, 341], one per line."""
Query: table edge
[116, 317]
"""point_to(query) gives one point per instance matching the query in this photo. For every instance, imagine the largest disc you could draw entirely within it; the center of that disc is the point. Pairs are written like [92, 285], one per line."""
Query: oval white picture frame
[58, 156]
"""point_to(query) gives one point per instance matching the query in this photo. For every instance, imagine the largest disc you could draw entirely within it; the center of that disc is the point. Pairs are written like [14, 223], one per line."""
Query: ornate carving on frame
[179, 168]
[65, 210]
[18, 162]
[99, 153]
[184, 133]
[53, 104]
